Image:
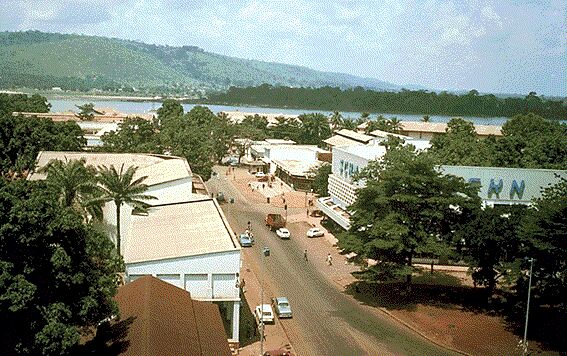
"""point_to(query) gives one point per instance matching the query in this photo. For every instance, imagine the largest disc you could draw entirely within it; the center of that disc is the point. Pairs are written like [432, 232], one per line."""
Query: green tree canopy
[10, 103]
[133, 135]
[57, 275]
[21, 139]
[407, 208]
[86, 112]
[321, 181]
[315, 129]
[544, 236]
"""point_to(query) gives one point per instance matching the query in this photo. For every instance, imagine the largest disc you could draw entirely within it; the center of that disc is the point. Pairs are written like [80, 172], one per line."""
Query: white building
[498, 185]
[191, 246]
[184, 239]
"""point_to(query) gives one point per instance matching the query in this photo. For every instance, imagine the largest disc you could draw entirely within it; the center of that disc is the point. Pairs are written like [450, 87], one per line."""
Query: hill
[41, 60]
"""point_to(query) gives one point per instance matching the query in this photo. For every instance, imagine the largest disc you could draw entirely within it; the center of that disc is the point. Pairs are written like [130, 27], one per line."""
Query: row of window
[347, 169]
[341, 190]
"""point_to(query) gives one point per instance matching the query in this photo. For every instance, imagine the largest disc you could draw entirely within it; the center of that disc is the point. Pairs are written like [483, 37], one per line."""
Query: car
[282, 307]
[245, 240]
[265, 313]
[315, 232]
[283, 233]
[260, 174]
[220, 197]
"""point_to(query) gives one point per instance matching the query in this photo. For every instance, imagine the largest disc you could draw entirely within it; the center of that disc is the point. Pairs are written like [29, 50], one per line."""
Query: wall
[207, 277]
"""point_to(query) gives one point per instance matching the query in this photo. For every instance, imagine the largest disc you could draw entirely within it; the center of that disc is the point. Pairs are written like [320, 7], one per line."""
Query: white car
[283, 233]
[260, 174]
[267, 314]
[315, 232]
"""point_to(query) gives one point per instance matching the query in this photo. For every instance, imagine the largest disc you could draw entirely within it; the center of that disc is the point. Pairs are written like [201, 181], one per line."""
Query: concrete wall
[208, 277]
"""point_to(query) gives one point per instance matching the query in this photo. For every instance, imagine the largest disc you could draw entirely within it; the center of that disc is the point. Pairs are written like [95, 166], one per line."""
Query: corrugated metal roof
[178, 230]
[357, 136]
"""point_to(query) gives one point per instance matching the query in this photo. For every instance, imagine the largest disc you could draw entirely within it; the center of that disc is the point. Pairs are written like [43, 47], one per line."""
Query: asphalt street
[326, 321]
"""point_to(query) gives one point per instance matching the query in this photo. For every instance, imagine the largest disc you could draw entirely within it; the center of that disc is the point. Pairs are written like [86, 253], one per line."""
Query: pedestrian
[305, 255]
[263, 185]
[281, 185]
[243, 286]
[307, 212]
[329, 259]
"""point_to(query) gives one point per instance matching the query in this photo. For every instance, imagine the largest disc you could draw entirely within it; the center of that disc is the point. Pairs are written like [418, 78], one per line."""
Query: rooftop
[360, 137]
[164, 320]
[178, 230]
[441, 127]
[338, 140]
[297, 168]
[369, 152]
[158, 168]
[380, 133]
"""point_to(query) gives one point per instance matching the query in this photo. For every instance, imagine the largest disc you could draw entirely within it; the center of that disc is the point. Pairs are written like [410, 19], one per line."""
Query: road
[326, 321]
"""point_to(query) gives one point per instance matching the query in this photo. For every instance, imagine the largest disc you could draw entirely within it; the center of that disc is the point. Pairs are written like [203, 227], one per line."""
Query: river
[130, 107]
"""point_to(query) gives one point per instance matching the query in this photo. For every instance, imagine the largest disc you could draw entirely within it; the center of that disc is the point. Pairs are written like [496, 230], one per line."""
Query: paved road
[326, 321]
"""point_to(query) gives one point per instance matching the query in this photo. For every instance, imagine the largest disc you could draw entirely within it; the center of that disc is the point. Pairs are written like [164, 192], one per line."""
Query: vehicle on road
[261, 176]
[315, 232]
[245, 240]
[220, 197]
[275, 221]
[283, 233]
[282, 307]
[265, 313]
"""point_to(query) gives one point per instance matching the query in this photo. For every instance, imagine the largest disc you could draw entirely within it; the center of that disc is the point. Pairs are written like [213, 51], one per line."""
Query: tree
[543, 232]
[287, 129]
[170, 108]
[10, 103]
[321, 181]
[86, 112]
[425, 118]
[460, 146]
[315, 129]
[336, 120]
[21, 139]
[75, 185]
[406, 208]
[57, 274]
[121, 188]
[492, 243]
[134, 135]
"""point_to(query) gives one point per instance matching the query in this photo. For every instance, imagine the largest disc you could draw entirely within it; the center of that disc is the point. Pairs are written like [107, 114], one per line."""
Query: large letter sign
[494, 188]
[517, 189]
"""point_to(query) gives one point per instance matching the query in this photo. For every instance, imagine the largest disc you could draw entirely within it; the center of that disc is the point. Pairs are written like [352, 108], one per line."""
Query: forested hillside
[40, 60]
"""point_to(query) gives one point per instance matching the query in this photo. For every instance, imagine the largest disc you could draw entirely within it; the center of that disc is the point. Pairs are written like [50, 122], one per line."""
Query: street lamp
[525, 342]
[265, 253]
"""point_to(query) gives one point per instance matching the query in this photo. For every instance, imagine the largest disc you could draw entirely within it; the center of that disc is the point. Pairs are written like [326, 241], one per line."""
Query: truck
[275, 221]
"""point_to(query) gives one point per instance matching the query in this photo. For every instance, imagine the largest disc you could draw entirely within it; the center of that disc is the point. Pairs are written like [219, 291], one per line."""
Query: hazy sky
[503, 46]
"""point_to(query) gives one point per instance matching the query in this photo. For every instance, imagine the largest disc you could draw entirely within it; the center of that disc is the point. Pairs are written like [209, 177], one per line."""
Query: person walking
[329, 259]
[305, 255]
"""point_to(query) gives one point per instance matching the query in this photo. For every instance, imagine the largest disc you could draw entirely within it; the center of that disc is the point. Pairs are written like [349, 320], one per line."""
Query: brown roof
[166, 321]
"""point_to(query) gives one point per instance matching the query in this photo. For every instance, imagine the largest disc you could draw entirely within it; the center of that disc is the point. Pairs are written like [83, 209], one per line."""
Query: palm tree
[120, 188]
[336, 120]
[395, 125]
[425, 118]
[75, 184]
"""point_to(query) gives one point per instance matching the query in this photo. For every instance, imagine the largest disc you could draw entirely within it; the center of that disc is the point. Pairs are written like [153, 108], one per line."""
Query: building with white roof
[183, 239]
[497, 185]
[191, 246]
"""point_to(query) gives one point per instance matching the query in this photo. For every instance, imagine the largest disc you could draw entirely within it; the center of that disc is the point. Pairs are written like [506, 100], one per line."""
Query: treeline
[403, 102]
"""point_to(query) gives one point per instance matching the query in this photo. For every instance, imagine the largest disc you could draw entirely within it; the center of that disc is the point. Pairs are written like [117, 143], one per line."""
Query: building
[183, 239]
[498, 185]
[191, 246]
[346, 137]
[295, 164]
[160, 319]
[427, 130]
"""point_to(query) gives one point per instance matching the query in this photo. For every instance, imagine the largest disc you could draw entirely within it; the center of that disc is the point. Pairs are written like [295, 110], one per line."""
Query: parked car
[264, 312]
[282, 307]
[220, 197]
[283, 233]
[315, 232]
[245, 240]
[259, 174]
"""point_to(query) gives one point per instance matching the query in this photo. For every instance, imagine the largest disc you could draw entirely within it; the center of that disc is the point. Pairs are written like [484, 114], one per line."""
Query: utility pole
[525, 342]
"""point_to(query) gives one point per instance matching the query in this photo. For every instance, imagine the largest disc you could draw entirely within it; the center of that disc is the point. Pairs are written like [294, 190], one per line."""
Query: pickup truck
[275, 221]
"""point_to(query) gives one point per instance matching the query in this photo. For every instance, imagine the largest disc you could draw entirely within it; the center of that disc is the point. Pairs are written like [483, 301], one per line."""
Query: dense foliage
[528, 141]
[402, 102]
[21, 138]
[57, 274]
[406, 208]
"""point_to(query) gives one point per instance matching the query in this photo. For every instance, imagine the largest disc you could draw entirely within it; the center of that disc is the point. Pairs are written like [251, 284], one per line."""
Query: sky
[501, 46]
